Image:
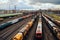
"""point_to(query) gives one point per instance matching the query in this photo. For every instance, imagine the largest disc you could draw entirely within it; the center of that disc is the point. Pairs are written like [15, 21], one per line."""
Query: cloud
[21, 5]
[44, 4]
[29, 4]
[3, 1]
[44, 1]
[10, 4]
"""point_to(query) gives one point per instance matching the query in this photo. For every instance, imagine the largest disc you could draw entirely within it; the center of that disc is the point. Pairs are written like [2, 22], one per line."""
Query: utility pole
[15, 8]
[9, 7]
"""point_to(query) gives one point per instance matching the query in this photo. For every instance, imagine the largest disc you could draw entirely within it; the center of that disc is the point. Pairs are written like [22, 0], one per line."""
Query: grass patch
[55, 16]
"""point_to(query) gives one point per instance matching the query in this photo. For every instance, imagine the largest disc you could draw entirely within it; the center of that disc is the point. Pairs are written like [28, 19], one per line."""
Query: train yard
[30, 27]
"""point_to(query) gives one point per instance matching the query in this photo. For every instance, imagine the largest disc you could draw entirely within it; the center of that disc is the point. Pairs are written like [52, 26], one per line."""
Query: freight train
[20, 35]
[54, 29]
[50, 18]
[4, 25]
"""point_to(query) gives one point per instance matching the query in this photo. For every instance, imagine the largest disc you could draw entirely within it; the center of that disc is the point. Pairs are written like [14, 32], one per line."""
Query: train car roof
[39, 28]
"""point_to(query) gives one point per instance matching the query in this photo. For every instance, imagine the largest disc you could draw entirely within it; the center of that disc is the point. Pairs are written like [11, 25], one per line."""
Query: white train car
[39, 29]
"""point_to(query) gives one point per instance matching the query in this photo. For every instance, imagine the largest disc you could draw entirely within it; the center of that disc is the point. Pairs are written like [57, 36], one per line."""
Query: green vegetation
[6, 15]
[55, 16]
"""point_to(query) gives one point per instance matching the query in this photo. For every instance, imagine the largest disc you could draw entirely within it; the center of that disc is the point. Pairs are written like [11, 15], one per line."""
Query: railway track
[8, 19]
[47, 30]
[47, 35]
[54, 21]
[11, 22]
[31, 33]
[13, 34]
[54, 29]
[7, 32]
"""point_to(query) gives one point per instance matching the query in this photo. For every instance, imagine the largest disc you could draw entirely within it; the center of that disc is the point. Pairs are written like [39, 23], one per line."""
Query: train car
[20, 35]
[4, 25]
[50, 18]
[55, 29]
[39, 29]
[24, 17]
[55, 21]
[1, 19]
[27, 16]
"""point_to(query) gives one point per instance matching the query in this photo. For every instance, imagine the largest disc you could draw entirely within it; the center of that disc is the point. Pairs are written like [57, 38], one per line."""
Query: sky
[29, 4]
